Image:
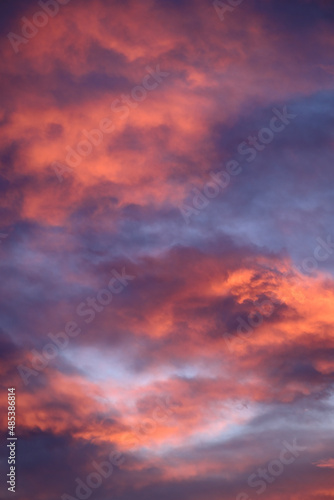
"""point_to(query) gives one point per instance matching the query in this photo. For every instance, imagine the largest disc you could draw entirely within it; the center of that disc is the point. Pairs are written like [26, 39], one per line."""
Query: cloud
[164, 337]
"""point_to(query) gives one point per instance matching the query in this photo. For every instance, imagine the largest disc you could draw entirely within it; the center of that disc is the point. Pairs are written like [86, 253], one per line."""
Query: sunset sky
[167, 248]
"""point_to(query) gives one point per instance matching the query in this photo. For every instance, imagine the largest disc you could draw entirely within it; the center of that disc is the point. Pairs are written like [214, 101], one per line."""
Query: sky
[167, 248]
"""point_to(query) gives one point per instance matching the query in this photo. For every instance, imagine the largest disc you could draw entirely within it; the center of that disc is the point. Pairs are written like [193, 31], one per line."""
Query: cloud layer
[219, 349]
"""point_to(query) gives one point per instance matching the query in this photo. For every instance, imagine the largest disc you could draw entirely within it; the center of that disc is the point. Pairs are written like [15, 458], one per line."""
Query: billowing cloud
[167, 271]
